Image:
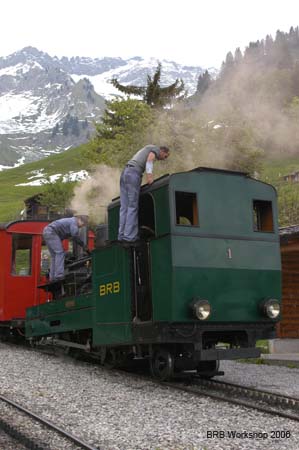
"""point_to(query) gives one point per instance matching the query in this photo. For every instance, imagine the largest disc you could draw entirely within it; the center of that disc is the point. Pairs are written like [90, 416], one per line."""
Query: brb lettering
[109, 288]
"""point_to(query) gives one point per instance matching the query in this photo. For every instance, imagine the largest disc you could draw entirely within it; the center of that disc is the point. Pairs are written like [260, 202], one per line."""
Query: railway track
[260, 400]
[264, 401]
[21, 425]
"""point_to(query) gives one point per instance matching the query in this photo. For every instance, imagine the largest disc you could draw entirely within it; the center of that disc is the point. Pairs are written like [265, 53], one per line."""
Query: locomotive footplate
[55, 287]
[203, 334]
[230, 353]
[70, 285]
[51, 286]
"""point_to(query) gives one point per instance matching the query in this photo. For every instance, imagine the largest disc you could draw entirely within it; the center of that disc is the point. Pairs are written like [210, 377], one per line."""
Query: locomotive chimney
[101, 235]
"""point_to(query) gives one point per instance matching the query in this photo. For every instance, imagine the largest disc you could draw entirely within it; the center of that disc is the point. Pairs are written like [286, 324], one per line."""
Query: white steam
[92, 196]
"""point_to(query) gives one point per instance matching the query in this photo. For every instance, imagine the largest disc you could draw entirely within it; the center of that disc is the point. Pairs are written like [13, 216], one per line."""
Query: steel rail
[203, 385]
[264, 395]
[16, 435]
[49, 424]
[272, 400]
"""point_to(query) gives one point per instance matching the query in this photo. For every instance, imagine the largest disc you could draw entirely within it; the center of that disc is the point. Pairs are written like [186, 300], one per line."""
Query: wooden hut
[289, 240]
[36, 210]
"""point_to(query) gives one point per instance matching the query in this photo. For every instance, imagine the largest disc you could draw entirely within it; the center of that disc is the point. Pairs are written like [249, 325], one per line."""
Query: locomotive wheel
[110, 361]
[115, 359]
[162, 365]
[208, 369]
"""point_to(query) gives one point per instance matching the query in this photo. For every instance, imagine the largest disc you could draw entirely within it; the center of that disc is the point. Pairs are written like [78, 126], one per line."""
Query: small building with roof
[289, 241]
[35, 209]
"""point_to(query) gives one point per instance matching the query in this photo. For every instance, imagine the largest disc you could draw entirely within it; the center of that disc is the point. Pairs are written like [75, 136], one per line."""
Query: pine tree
[269, 44]
[238, 56]
[204, 81]
[74, 126]
[57, 195]
[55, 130]
[254, 52]
[228, 65]
[121, 131]
[153, 94]
[283, 55]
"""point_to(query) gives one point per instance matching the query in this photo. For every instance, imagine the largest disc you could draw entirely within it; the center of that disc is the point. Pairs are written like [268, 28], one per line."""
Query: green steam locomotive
[203, 286]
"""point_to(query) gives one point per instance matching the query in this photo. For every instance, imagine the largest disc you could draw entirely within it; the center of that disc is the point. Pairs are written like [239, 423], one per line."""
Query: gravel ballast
[115, 411]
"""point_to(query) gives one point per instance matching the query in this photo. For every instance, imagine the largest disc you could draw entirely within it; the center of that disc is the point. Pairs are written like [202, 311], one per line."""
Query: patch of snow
[41, 181]
[20, 162]
[103, 86]
[31, 183]
[36, 173]
[17, 138]
[100, 83]
[19, 69]
[5, 167]
[70, 176]
[25, 113]
[13, 105]
[76, 176]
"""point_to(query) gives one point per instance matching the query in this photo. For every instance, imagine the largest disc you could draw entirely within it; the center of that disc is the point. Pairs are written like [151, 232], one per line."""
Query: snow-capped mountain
[134, 71]
[42, 109]
[49, 104]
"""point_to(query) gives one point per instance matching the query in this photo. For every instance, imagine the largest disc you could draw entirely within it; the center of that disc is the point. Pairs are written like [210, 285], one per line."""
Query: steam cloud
[92, 196]
[207, 133]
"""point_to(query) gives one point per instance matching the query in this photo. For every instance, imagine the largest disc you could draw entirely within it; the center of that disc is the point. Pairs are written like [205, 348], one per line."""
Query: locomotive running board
[63, 343]
[230, 353]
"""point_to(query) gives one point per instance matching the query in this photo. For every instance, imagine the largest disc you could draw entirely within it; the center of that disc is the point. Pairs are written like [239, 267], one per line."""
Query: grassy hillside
[274, 170]
[288, 192]
[12, 196]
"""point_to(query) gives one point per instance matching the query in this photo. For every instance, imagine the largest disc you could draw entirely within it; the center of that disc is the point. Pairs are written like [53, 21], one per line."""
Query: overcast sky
[194, 32]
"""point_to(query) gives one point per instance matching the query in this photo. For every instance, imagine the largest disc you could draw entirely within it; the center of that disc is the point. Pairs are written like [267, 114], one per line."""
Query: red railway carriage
[22, 268]
[24, 264]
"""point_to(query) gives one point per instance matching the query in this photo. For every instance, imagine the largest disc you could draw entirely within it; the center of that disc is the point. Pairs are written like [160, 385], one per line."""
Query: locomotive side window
[21, 255]
[262, 216]
[186, 209]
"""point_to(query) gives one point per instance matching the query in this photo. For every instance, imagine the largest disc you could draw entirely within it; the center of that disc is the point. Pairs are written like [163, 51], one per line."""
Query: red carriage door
[24, 272]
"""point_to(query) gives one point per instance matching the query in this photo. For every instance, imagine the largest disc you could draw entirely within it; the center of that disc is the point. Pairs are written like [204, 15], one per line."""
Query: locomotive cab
[225, 261]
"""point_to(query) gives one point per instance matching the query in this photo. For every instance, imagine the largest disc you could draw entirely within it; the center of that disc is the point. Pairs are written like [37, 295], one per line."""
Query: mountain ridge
[49, 104]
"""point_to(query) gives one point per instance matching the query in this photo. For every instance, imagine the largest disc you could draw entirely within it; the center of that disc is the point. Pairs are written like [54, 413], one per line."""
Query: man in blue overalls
[54, 234]
[130, 182]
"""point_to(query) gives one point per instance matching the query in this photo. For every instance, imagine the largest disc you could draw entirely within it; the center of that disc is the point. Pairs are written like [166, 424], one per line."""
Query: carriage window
[21, 255]
[186, 209]
[263, 216]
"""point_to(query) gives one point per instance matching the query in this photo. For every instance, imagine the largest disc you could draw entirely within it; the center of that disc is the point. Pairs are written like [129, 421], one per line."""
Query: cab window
[21, 255]
[263, 216]
[186, 209]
